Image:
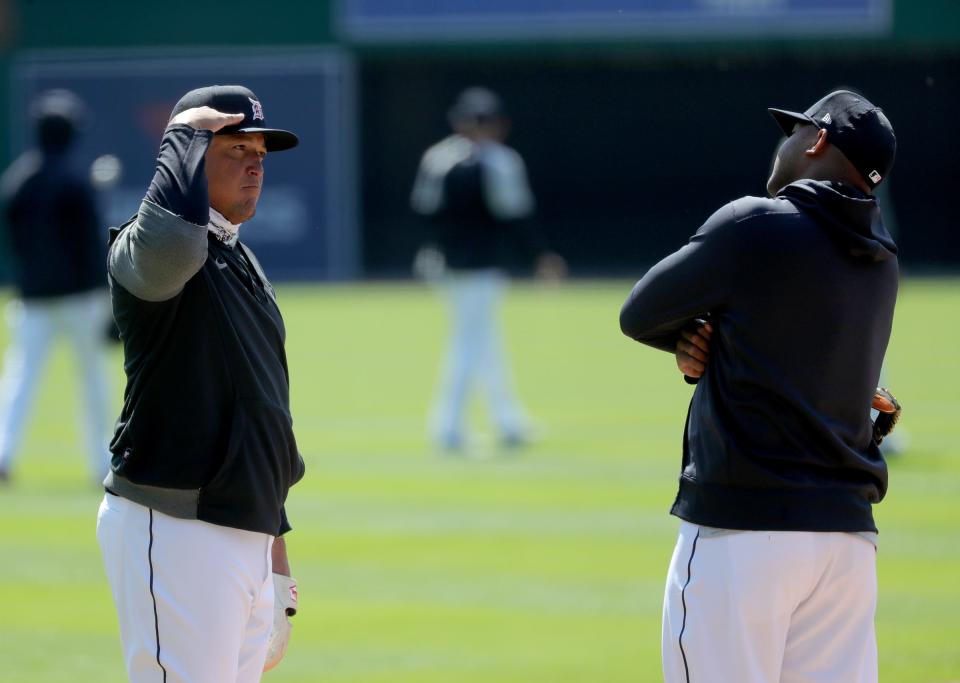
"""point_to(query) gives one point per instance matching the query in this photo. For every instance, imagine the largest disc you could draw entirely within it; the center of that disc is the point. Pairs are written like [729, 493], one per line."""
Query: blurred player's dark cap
[58, 115]
[58, 103]
[855, 126]
[476, 105]
[235, 99]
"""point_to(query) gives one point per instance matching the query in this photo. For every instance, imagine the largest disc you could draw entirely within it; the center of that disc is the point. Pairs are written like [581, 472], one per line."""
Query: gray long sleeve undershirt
[167, 244]
[156, 255]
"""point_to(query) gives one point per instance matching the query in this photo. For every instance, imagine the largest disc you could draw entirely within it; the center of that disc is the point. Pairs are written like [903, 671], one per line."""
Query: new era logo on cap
[856, 127]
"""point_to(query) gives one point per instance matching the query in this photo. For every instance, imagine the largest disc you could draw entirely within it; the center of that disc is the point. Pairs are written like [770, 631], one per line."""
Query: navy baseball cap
[235, 99]
[475, 104]
[59, 115]
[59, 103]
[855, 126]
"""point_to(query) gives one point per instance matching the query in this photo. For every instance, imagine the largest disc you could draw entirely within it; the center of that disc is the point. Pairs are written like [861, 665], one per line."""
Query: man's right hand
[693, 351]
[206, 118]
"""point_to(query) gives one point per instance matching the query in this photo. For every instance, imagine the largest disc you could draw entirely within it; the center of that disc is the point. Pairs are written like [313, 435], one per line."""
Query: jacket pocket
[261, 463]
[121, 450]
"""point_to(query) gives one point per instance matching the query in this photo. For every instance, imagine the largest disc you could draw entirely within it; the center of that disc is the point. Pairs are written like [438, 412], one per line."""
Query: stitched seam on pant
[683, 600]
[156, 619]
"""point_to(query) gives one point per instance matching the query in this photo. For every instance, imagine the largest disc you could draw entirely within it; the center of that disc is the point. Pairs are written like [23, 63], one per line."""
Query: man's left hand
[693, 350]
[284, 607]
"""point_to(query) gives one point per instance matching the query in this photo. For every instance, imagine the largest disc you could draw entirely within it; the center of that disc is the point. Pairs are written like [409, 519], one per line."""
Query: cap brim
[275, 139]
[786, 119]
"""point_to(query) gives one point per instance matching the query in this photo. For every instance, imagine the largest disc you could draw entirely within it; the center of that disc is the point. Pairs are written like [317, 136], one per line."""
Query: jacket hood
[851, 217]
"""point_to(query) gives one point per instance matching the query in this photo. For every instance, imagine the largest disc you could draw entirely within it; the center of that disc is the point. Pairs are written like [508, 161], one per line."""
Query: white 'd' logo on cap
[875, 177]
[257, 109]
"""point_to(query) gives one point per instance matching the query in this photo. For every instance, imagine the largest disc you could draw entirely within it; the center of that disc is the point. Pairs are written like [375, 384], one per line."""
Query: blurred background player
[50, 212]
[474, 193]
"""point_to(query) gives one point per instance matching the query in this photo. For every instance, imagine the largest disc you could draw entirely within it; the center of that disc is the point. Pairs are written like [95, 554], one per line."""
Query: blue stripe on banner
[571, 9]
[448, 19]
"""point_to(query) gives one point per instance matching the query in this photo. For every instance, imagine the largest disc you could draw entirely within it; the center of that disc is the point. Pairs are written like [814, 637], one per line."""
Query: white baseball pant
[475, 353]
[81, 319]
[194, 600]
[770, 607]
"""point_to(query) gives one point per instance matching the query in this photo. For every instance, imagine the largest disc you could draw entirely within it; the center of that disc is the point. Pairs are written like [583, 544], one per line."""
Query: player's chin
[248, 208]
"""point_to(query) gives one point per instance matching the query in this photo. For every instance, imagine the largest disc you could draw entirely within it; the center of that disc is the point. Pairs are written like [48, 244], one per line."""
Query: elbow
[645, 329]
[625, 324]
[630, 322]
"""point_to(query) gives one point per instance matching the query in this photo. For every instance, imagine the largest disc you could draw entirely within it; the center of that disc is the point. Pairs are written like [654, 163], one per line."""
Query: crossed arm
[693, 351]
[669, 307]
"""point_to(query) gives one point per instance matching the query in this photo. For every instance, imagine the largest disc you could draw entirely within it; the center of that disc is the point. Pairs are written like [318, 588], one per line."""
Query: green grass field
[542, 567]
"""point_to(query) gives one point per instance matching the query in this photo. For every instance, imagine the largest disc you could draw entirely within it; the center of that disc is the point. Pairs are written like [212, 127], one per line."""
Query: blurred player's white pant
[770, 607]
[475, 352]
[81, 319]
[194, 600]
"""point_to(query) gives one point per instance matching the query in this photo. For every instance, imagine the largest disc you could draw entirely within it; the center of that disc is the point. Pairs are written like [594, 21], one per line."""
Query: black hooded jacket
[801, 291]
[53, 225]
[205, 431]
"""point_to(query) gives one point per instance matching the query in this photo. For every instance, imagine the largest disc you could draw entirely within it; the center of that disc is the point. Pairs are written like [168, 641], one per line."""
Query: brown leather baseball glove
[889, 413]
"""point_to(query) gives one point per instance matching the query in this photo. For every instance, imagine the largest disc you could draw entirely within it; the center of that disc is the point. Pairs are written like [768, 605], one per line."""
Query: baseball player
[191, 526]
[780, 310]
[474, 194]
[53, 227]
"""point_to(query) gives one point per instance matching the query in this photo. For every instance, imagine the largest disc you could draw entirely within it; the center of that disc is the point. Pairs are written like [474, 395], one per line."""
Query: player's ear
[819, 144]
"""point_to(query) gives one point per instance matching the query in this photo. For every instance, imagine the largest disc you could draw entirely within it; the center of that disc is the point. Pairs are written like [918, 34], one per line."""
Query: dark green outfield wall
[104, 23]
[624, 161]
[627, 157]
[92, 24]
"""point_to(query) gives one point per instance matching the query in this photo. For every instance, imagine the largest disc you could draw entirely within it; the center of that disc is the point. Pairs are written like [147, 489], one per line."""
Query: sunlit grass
[543, 566]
